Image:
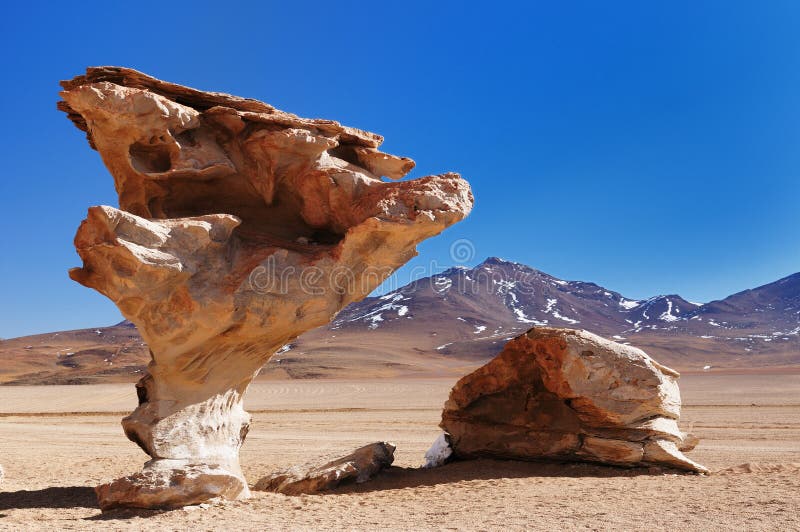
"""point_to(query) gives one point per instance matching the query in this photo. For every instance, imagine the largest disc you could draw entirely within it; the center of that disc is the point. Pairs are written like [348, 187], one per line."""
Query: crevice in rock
[150, 158]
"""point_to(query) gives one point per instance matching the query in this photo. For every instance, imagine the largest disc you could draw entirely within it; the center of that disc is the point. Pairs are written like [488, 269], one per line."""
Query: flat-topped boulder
[239, 227]
[563, 394]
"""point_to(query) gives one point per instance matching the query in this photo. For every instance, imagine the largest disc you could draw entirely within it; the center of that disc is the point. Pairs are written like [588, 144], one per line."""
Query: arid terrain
[59, 441]
[450, 323]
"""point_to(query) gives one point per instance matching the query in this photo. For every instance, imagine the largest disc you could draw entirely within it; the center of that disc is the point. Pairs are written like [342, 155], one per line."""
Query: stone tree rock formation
[564, 394]
[239, 227]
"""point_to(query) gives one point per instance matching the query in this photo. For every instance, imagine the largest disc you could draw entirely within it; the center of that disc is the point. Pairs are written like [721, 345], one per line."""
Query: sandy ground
[57, 442]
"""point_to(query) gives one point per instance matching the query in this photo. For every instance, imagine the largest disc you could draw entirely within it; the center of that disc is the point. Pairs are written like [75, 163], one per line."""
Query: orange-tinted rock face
[568, 395]
[239, 227]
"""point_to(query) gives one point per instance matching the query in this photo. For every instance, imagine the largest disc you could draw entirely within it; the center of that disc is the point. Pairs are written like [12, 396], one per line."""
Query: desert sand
[56, 442]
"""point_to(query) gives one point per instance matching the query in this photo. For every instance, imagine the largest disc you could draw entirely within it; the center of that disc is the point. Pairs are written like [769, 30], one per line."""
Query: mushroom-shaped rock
[239, 227]
[359, 466]
[566, 394]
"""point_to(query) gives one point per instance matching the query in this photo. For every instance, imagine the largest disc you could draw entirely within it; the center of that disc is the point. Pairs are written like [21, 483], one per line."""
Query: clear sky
[651, 147]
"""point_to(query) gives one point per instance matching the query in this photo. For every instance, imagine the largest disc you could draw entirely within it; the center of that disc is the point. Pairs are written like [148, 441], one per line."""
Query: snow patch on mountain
[442, 284]
[550, 309]
[503, 285]
[564, 318]
[667, 315]
[519, 313]
[628, 304]
[374, 316]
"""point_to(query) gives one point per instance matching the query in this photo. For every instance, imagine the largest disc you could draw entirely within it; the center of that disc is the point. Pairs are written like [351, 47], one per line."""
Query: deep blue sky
[651, 147]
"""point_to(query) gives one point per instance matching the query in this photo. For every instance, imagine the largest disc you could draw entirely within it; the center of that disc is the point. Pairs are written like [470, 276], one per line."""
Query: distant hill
[450, 322]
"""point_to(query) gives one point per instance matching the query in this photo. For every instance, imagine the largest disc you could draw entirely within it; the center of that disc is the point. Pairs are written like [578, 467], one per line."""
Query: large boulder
[358, 466]
[239, 227]
[562, 394]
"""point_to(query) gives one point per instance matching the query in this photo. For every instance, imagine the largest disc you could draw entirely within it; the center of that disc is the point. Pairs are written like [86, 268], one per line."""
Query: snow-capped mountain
[498, 299]
[496, 292]
[452, 321]
[514, 295]
[774, 307]
[660, 309]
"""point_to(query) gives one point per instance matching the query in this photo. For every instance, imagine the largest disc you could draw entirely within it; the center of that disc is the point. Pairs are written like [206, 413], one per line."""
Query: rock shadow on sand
[53, 497]
[487, 469]
[65, 497]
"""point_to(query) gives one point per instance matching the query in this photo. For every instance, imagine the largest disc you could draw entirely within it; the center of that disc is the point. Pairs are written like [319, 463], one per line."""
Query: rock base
[172, 484]
[359, 466]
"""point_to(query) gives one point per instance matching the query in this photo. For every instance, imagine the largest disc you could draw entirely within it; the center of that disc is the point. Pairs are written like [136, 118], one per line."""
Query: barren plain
[57, 442]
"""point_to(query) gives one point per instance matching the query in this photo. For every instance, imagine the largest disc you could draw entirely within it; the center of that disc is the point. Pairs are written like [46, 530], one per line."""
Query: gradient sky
[651, 147]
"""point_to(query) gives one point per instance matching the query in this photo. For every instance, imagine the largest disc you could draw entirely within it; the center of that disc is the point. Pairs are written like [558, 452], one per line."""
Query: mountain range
[449, 323]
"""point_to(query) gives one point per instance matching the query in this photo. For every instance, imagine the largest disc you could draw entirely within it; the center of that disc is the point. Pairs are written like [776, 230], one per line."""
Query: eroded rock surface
[239, 227]
[165, 483]
[359, 466]
[565, 394]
